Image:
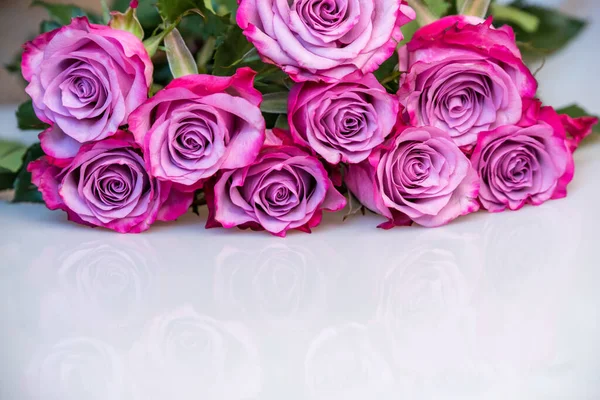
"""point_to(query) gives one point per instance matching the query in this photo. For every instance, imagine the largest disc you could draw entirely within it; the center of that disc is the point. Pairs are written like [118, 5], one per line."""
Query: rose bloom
[530, 163]
[342, 121]
[84, 79]
[324, 40]
[285, 188]
[464, 77]
[199, 124]
[106, 185]
[420, 175]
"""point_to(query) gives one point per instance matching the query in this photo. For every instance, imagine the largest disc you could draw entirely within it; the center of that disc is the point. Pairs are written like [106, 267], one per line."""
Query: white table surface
[502, 306]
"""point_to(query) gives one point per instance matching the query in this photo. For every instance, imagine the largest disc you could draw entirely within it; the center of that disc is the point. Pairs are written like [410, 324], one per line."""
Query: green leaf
[478, 8]
[181, 61]
[528, 22]
[233, 51]
[11, 155]
[275, 103]
[63, 13]
[146, 13]
[282, 122]
[26, 118]
[48, 26]
[25, 191]
[7, 179]
[555, 30]
[438, 7]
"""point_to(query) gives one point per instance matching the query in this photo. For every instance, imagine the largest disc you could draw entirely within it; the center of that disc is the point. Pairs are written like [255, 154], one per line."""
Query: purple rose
[199, 124]
[342, 121]
[464, 77]
[324, 39]
[107, 185]
[84, 79]
[524, 164]
[285, 188]
[419, 176]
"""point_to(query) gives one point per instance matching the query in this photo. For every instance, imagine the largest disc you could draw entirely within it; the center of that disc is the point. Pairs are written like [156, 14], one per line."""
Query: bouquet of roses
[271, 111]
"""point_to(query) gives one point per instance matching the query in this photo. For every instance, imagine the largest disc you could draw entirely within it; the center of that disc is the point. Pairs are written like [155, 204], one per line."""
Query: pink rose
[324, 40]
[577, 129]
[84, 79]
[464, 77]
[524, 164]
[107, 185]
[342, 121]
[285, 188]
[199, 124]
[420, 175]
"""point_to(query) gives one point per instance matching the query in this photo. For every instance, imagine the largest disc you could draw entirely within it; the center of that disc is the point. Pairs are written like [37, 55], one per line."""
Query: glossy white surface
[502, 306]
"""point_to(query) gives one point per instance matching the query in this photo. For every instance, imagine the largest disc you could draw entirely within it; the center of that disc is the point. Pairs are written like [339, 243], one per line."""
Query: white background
[502, 306]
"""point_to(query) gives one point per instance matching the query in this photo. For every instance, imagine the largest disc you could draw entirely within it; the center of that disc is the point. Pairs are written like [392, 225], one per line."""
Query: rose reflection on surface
[278, 282]
[343, 362]
[100, 284]
[75, 369]
[184, 355]
[426, 303]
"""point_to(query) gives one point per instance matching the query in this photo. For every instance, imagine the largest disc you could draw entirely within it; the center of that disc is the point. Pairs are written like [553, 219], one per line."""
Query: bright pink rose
[285, 188]
[324, 40]
[464, 77]
[199, 124]
[84, 79]
[106, 185]
[420, 175]
[525, 163]
[342, 121]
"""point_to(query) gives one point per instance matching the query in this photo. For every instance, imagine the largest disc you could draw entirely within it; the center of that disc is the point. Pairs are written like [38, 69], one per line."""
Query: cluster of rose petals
[528, 163]
[285, 188]
[198, 125]
[465, 77]
[106, 184]
[84, 80]
[342, 121]
[420, 176]
[324, 39]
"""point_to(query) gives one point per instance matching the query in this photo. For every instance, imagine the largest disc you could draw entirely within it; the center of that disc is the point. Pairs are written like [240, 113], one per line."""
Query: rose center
[322, 15]
[519, 169]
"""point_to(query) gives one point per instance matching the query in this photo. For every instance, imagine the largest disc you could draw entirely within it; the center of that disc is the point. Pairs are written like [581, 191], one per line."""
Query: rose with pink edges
[199, 124]
[84, 80]
[325, 40]
[420, 176]
[106, 184]
[285, 188]
[465, 77]
[528, 163]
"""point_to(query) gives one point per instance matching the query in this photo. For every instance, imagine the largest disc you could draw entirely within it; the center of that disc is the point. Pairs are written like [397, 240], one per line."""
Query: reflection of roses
[185, 355]
[342, 363]
[101, 282]
[79, 368]
[426, 300]
[279, 281]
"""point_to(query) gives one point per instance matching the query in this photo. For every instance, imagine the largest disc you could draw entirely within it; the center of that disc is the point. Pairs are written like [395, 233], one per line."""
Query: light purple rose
[84, 79]
[285, 188]
[106, 185]
[199, 124]
[420, 175]
[342, 121]
[324, 39]
[464, 77]
[527, 164]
